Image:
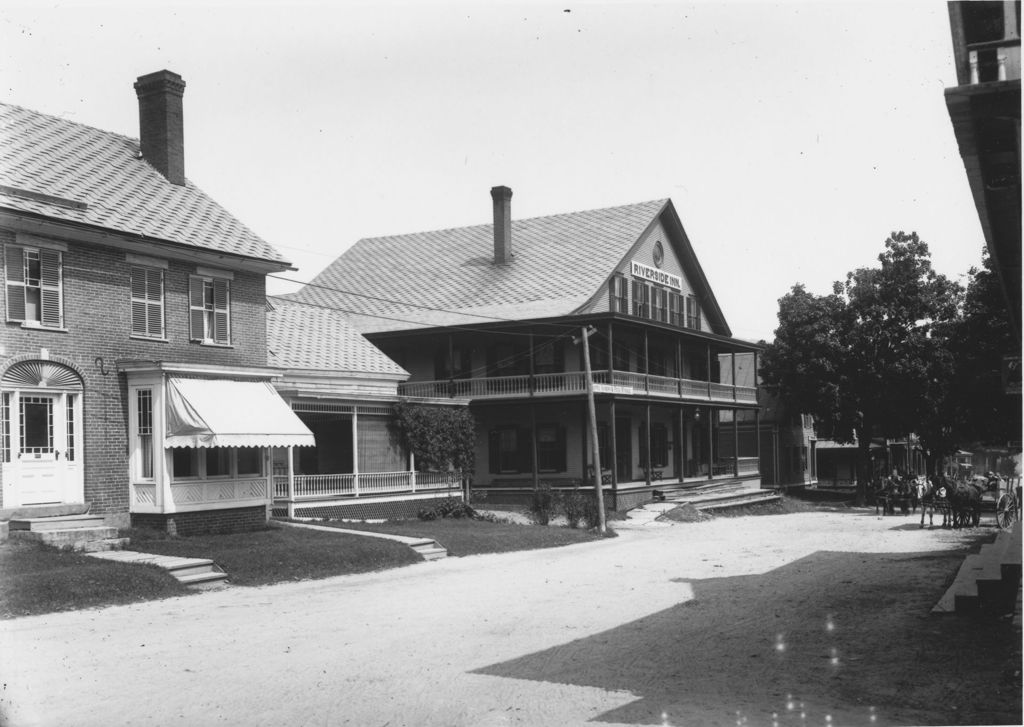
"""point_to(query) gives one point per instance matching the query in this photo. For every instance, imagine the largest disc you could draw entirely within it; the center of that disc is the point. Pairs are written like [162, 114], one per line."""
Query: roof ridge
[63, 120]
[520, 220]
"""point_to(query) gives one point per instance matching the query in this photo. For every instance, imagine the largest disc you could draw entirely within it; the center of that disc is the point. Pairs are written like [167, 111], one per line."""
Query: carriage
[1006, 494]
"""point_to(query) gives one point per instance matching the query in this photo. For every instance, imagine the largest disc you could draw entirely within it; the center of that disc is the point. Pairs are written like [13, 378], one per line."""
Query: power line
[407, 304]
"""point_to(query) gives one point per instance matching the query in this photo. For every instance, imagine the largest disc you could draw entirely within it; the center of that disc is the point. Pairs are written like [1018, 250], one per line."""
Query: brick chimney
[502, 197]
[161, 127]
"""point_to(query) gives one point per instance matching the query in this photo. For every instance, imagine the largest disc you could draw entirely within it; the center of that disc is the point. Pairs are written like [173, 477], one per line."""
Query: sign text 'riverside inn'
[639, 270]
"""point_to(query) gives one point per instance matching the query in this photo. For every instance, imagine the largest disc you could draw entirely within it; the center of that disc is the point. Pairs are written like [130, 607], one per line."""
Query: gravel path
[721, 622]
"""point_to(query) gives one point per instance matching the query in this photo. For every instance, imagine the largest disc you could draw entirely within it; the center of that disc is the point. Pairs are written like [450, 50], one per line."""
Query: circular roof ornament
[659, 254]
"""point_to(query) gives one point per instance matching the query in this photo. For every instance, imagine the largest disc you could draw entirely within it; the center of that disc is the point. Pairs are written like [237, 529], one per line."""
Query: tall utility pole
[598, 489]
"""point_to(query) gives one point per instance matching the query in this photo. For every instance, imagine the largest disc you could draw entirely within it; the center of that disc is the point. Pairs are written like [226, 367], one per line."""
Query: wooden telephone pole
[598, 489]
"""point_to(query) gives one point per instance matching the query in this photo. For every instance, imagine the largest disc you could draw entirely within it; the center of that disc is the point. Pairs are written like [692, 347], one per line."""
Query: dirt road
[813, 618]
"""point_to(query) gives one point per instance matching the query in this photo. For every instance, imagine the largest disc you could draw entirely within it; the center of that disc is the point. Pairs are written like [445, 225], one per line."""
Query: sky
[792, 137]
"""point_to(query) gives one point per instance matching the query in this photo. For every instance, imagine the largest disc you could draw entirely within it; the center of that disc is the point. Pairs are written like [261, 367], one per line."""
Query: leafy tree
[863, 358]
[439, 436]
[981, 338]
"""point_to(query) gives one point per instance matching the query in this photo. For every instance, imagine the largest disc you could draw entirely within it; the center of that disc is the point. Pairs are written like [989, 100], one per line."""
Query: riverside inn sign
[639, 270]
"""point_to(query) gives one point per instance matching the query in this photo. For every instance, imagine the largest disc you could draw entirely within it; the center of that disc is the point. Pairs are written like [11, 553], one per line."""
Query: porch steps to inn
[988, 581]
[194, 572]
[82, 532]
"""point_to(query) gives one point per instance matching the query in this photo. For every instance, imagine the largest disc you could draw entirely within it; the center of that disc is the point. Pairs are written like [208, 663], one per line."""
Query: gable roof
[75, 173]
[447, 277]
[308, 337]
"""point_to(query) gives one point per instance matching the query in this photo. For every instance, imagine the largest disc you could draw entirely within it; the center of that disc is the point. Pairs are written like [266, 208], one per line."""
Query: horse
[965, 502]
[932, 496]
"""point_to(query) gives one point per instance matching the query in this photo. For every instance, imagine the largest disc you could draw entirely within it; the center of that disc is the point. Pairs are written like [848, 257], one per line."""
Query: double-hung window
[619, 294]
[675, 309]
[641, 299]
[210, 309]
[692, 312]
[147, 292]
[659, 304]
[35, 291]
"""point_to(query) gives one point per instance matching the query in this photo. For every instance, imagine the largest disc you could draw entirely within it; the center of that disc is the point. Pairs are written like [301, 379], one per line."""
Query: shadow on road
[834, 638]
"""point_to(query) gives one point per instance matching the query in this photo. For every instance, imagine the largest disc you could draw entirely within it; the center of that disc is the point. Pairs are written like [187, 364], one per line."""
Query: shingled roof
[447, 277]
[310, 337]
[75, 173]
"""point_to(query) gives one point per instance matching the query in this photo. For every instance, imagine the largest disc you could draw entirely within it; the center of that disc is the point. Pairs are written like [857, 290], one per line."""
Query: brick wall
[234, 520]
[97, 319]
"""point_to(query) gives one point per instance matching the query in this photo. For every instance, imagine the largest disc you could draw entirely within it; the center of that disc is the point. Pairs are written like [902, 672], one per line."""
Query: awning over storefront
[224, 413]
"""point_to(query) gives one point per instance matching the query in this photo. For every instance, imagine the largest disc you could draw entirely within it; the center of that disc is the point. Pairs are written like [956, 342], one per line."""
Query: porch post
[611, 361]
[680, 437]
[532, 383]
[679, 369]
[757, 437]
[534, 469]
[732, 360]
[647, 377]
[711, 435]
[291, 481]
[647, 435]
[613, 445]
[412, 471]
[355, 449]
[707, 348]
[735, 433]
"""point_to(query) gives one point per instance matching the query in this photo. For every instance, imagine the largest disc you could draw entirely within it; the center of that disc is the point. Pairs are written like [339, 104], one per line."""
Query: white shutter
[14, 258]
[221, 311]
[51, 288]
[196, 312]
[147, 291]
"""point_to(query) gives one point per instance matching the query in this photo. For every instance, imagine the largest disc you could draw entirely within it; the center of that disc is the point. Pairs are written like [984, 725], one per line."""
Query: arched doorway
[41, 434]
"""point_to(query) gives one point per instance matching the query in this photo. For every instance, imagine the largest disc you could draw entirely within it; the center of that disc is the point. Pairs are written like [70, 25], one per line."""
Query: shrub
[574, 505]
[543, 503]
[449, 507]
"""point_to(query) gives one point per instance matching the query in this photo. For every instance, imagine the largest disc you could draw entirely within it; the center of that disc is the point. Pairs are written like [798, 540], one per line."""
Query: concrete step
[199, 572]
[209, 580]
[742, 500]
[430, 549]
[75, 538]
[57, 522]
[987, 581]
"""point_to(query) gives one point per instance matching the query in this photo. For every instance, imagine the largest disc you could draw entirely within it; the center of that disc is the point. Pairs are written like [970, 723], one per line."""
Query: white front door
[42, 446]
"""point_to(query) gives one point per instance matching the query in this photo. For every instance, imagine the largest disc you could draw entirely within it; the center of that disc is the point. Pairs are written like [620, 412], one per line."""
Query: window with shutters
[619, 294]
[504, 451]
[210, 310]
[550, 448]
[659, 304]
[34, 286]
[147, 293]
[675, 309]
[692, 313]
[641, 299]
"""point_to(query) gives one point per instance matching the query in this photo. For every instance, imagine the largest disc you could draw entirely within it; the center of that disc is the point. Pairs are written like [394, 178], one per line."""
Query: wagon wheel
[1006, 511]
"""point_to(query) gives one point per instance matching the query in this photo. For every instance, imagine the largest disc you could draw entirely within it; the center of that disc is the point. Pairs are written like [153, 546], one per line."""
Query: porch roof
[224, 413]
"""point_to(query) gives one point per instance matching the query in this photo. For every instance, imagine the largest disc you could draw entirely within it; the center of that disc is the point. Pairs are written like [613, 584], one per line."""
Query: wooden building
[492, 315]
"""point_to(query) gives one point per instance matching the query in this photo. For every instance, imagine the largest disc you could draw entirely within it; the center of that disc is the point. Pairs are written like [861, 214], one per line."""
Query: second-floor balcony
[623, 383]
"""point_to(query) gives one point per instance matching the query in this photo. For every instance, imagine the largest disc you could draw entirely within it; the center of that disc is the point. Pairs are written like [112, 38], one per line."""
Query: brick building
[133, 358]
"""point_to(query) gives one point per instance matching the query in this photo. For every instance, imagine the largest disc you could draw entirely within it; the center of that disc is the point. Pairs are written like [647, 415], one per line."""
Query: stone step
[430, 550]
[57, 522]
[75, 538]
[199, 572]
[208, 580]
[987, 580]
[738, 501]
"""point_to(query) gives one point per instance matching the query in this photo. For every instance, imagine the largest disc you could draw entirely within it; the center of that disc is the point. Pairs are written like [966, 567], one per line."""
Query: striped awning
[225, 413]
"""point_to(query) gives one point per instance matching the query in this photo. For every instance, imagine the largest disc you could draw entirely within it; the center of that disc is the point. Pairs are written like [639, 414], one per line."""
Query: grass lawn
[473, 537]
[279, 554]
[39, 579]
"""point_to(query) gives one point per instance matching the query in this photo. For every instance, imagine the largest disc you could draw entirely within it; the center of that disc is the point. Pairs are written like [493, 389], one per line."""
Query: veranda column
[711, 435]
[613, 445]
[355, 451]
[735, 433]
[533, 445]
[648, 465]
[412, 471]
[679, 437]
[291, 481]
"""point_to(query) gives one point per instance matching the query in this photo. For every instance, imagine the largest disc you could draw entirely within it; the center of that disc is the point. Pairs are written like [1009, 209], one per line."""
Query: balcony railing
[318, 487]
[574, 382]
